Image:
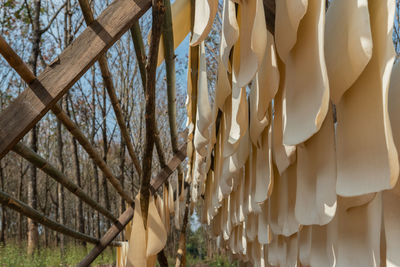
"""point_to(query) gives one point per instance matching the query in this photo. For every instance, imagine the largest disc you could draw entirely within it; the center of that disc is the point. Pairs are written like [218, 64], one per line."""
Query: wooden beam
[128, 214]
[50, 170]
[35, 215]
[34, 102]
[27, 75]
[168, 42]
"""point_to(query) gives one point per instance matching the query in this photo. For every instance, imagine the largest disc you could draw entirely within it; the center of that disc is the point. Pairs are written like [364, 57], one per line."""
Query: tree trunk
[60, 144]
[77, 169]
[105, 150]
[3, 209]
[122, 176]
[92, 136]
[33, 234]
[60, 188]
[19, 195]
[181, 255]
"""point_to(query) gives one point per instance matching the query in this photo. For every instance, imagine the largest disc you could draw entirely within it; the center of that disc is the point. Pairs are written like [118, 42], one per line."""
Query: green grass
[14, 255]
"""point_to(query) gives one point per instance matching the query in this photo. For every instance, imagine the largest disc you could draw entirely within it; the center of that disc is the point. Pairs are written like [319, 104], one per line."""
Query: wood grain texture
[32, 104]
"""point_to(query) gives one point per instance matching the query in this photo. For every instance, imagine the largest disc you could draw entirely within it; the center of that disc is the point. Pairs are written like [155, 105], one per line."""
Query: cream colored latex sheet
[306, 94]
[367, 160]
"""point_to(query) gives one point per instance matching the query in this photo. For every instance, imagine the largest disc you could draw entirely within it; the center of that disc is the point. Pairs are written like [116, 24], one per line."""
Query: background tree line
[38, 31]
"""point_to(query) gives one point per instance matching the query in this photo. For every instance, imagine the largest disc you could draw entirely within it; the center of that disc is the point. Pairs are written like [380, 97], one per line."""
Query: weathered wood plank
[32, 104]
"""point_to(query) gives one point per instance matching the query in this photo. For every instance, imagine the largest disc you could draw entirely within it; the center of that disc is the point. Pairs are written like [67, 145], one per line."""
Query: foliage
[196, 244]
[14, 256]
[196, 251]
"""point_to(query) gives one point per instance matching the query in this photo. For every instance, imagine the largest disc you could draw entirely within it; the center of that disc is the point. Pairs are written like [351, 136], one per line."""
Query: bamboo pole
[35, 215]
[26, 74]
[139, 51]
[169, 52]
[168, 41]
[49, 169]
[105, 73]
[123, 220]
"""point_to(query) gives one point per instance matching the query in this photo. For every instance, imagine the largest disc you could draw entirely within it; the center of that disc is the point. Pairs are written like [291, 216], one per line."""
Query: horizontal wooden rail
[27, 75]
[42, 93]
[123, 220]
[50, 170]
[35, 215]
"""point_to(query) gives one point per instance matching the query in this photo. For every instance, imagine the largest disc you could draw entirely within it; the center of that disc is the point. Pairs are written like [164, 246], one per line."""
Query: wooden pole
[168, 42]
[139, 51]
[46, 167]
[35, 215]
[123, 220]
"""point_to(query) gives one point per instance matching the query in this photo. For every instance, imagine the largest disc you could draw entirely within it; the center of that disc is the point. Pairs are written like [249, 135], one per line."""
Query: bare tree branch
[52, 19]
